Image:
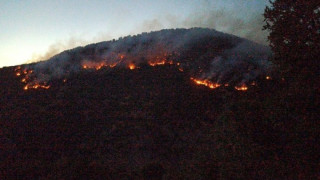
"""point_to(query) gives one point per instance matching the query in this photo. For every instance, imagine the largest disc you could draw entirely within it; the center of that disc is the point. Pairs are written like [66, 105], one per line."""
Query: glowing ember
[26, 77]
[93, 66]
[163, 62]
[243, 87]
[132, 66]
[170, 62]
[17, 68]
[36, 86]
[206, 83]
[113, 65]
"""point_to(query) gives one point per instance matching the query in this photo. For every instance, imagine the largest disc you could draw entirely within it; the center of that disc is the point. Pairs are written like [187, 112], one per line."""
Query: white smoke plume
[204, 53]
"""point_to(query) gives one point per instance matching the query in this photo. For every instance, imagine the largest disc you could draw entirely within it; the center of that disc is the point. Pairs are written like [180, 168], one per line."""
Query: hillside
[154, 121]
[205, 53]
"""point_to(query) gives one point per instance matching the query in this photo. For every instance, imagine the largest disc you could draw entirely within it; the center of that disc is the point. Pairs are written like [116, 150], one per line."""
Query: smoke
[207, 17]
[241, 64]
[203, 53]
[229, 22]
[70, 43]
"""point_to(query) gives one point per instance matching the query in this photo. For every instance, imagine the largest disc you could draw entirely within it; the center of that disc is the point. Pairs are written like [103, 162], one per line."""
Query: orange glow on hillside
[159, 63]
[132, 66]
[30, 81]
[243, 87]
[205, 82]
[26, 76]
[163, 62]
[36, 86]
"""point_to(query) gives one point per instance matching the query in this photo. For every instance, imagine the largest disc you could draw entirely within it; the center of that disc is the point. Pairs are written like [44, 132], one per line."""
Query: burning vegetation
[206, 82]
[210, 58]
[26, 76]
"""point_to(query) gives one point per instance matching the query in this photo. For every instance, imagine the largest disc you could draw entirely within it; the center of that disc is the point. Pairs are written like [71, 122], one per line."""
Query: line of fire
[30, 82]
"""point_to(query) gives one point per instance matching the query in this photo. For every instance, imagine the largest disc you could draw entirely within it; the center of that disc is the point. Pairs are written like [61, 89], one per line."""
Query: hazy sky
[36, 29]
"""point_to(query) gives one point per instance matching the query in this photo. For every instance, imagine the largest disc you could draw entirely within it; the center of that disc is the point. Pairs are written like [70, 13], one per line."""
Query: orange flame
[17, 68]
[132, 66]
[243, 87]
[35, 86]
[163, 62]
[206, 82]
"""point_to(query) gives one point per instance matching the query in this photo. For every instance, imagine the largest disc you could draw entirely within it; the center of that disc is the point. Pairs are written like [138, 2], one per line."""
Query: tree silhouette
[295, 37]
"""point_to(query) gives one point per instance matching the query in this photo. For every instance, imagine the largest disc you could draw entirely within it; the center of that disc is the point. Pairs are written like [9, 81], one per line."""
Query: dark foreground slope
[152, 122]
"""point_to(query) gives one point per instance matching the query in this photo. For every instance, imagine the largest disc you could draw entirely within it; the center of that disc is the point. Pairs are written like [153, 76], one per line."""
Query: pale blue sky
[31, 28]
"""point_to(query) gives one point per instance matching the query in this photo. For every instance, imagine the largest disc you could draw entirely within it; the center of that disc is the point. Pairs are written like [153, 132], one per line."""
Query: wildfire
[25, 78]
[132, 66]
[99, 65]
[162, 62]
[28, 79]
[36, 86]
[93, 66]
[206, 83]
[213, 85]
[242, 87]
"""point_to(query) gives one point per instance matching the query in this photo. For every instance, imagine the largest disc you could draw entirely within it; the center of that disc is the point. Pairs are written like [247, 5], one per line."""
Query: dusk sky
[32, 30]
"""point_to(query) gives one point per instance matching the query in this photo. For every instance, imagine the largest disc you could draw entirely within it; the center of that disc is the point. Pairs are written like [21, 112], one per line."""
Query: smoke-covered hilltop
[204, 53]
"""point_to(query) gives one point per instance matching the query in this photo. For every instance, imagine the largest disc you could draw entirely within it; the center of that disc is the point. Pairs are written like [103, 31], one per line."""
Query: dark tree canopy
[294, 27]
